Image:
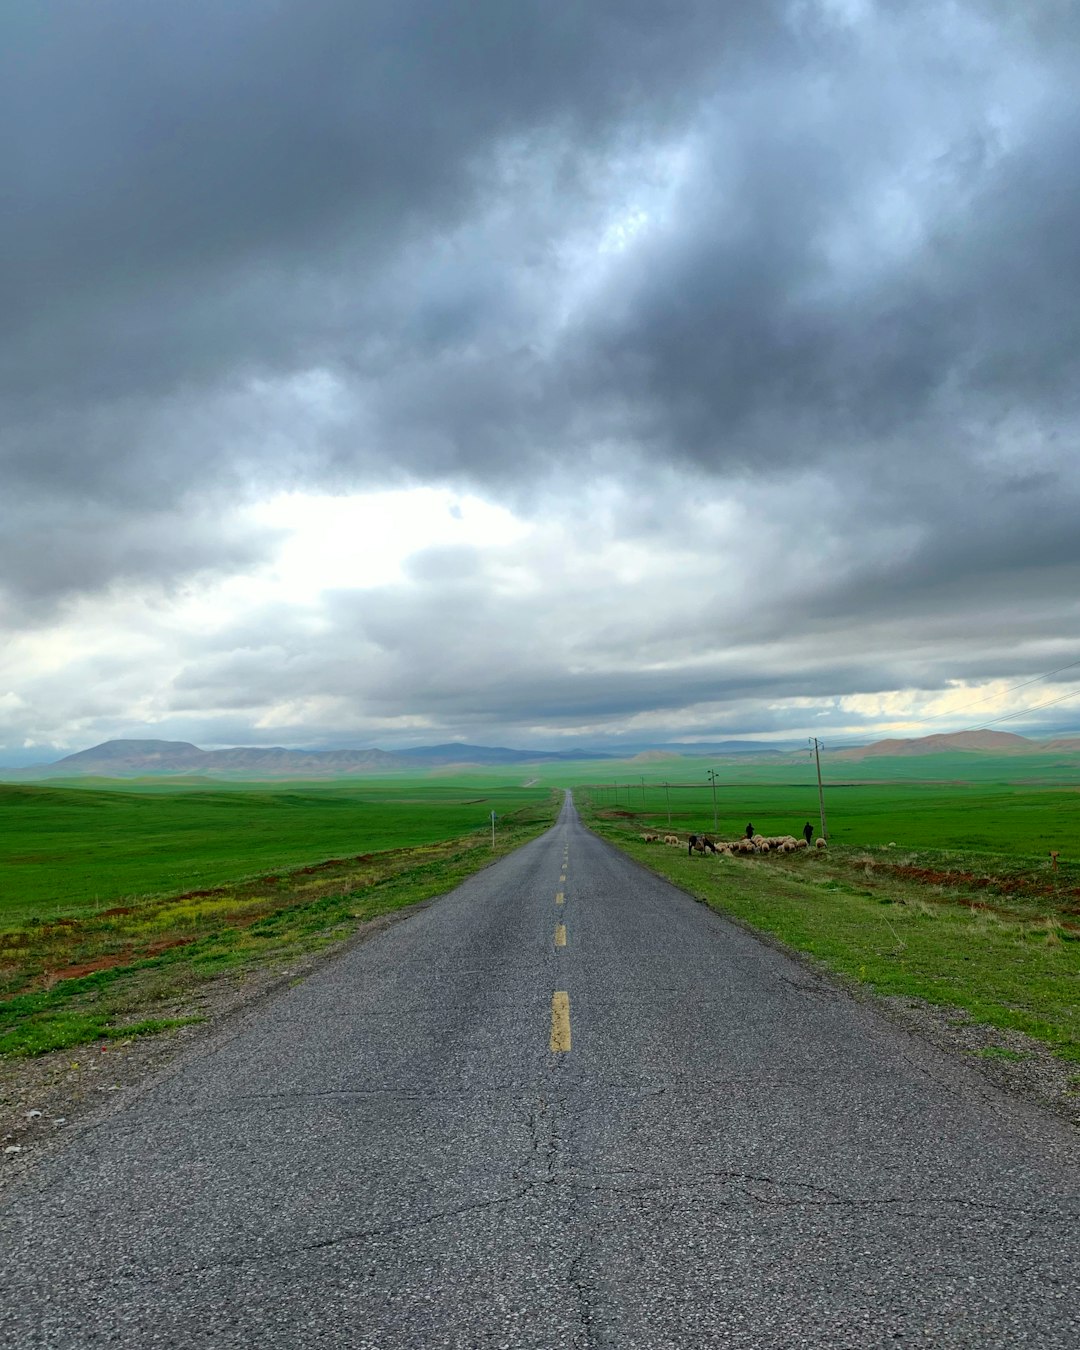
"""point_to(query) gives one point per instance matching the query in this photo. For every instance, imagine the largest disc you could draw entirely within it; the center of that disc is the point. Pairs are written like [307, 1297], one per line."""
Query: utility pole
[667, 794]
[712, 780]
[820, 790]
[642, 776]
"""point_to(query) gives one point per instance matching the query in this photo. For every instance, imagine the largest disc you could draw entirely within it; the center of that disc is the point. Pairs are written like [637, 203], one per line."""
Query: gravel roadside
[47, 1100]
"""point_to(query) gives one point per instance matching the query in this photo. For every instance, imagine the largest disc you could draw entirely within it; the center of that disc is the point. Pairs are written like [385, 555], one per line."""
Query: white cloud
[365, 540]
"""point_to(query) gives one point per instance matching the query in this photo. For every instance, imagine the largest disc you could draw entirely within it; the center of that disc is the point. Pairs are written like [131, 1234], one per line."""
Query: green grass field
[64, 849]
[120, 903]
[69, 849]
[958, 767]
[1023, 818]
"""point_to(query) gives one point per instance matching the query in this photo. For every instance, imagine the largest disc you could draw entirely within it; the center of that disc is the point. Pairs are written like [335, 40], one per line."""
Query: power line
[848, 743]
[1023, 712]
[1011, 690]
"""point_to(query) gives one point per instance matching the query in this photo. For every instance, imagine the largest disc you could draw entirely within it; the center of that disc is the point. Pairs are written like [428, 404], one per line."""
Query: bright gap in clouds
[364, 540]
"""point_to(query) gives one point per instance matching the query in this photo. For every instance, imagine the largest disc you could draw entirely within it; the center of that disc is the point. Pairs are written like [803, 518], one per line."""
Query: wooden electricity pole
[820, 790]
[712, 780]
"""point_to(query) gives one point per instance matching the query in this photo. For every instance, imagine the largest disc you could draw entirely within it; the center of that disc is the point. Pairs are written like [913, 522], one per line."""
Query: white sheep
[820, 843]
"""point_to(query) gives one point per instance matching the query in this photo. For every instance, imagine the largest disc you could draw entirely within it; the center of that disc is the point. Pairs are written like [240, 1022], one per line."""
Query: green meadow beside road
[118, 903]
[68, 849]
[1018, 807]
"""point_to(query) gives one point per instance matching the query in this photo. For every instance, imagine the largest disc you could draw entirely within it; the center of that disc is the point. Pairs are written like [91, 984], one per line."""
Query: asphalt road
[391, 1154]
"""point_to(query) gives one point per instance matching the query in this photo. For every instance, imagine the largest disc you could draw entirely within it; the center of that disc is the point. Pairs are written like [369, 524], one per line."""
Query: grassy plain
[119, 904]
[1019, 807]
[65, 850]
[942, 891]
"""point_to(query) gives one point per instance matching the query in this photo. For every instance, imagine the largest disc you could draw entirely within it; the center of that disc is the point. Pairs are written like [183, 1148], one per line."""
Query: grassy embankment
[941, 892]
[116, 905]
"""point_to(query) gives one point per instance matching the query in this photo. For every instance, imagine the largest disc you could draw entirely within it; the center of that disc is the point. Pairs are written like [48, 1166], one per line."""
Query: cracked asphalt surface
[733, 1153]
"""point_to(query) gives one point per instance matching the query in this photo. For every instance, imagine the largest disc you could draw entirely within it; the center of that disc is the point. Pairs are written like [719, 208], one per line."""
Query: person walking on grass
[749, 831]
[808, 833]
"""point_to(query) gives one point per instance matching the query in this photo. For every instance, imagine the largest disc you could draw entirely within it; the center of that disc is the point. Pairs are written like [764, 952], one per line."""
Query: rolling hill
[987, 742]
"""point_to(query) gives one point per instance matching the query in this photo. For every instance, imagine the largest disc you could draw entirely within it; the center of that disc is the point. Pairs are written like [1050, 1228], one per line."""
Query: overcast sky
[635, 371]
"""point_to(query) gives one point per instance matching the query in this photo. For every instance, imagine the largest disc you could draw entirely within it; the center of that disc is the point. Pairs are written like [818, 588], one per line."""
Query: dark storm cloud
[206, 159]
[207, 193]
[201, 196]
[810, 266]
[742, 336]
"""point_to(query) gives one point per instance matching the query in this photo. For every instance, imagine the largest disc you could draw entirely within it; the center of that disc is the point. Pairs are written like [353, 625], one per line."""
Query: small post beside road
[820, 790]
[712, 780]
[493, 829]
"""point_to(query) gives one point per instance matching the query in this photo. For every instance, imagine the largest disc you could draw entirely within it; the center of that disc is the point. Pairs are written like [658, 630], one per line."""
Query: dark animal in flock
[700, 843]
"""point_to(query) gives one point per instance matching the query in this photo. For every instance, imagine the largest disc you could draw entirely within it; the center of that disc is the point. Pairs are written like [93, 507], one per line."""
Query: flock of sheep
[701, 843]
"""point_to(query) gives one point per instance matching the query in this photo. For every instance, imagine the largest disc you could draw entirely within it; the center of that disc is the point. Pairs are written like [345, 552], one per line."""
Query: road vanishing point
[564, 1105]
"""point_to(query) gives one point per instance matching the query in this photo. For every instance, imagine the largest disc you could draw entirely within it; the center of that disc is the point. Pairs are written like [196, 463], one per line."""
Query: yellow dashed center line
[560, 1022]
[560, 1002]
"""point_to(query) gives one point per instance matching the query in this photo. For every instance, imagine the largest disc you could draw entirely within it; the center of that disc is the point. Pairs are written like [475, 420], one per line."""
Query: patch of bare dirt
[1020, 886]
[107, 962]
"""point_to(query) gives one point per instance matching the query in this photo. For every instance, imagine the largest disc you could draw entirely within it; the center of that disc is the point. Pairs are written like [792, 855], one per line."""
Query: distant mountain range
[142, 758]
[137, 758]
